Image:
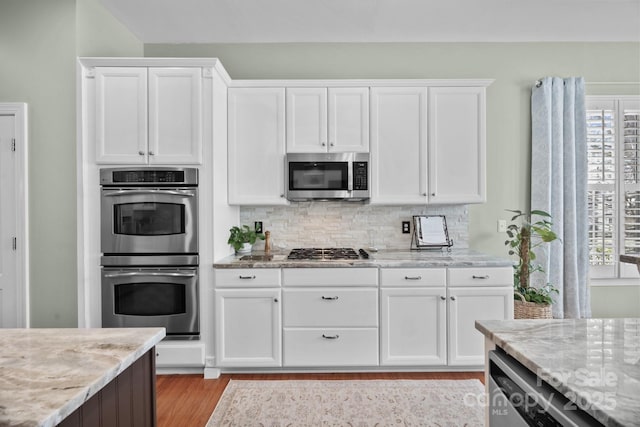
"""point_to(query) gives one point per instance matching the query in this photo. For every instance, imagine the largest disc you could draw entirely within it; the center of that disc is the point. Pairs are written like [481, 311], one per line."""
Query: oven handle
[142, 273]
[114, 193]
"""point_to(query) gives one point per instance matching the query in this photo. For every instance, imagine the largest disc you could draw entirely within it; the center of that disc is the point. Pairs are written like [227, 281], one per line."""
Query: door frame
[20, 112]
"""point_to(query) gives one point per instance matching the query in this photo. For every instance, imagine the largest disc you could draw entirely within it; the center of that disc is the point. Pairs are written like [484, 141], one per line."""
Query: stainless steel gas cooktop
[323, 254]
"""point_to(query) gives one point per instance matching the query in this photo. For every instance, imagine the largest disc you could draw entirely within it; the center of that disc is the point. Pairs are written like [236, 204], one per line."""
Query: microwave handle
[142, 273]
[115, 193]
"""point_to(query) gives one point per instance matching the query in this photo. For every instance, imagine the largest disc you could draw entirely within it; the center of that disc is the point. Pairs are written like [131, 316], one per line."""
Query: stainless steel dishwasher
[517, 397]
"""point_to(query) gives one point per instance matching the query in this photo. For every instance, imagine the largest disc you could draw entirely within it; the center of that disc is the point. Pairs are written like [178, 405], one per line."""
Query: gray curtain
[559, 187]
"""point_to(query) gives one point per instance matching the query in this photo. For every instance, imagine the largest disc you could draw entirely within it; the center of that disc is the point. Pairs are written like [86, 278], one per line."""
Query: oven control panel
[155, 176]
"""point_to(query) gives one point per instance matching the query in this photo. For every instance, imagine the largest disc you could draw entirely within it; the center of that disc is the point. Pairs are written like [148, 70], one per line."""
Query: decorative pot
[523, 309]
[245, 249]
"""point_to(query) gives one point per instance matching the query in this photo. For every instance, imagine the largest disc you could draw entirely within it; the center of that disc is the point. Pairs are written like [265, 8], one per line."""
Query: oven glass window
[318, 175]
[149, 219]
[150, 299]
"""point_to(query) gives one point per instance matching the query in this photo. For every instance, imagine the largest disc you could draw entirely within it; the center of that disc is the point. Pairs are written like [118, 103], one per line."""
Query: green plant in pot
[242, 238]
[525, 235]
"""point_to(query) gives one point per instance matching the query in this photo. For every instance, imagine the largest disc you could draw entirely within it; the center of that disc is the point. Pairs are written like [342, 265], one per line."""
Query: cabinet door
[248, 327]
[256, 146]
[175, 115]
[306, 120]
[413, 328]
[466, 305]
[399, 145]
[349, 119]
[456, 145]
[121, 115]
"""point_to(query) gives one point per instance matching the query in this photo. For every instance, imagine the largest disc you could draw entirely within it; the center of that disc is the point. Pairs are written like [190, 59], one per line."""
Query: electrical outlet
[406, 228]
[502, 226]
[258, 226]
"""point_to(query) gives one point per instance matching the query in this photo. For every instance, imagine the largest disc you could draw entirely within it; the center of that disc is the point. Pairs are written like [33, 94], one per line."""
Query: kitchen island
[78, 377]
[594, 363]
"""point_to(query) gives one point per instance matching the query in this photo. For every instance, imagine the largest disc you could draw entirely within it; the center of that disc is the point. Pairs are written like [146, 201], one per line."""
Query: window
[613, 138]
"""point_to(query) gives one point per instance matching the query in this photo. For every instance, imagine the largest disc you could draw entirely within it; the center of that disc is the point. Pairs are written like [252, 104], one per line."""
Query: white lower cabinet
[424, 322]
[466, 305]
[248, 327]
[342, 317]
[413, 328]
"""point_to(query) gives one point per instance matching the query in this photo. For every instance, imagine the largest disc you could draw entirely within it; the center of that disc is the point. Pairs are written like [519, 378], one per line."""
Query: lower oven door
[152, 297]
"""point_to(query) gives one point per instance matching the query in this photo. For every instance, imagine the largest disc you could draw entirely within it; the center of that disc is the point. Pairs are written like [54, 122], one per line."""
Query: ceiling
[282, 21]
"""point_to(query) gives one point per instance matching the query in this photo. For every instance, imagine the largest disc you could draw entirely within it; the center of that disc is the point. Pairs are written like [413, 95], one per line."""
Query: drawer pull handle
[330, 298]
[486, 276]
[443, 298]
[412, 277]
[330, 337]
[453, 298]
[247, 277]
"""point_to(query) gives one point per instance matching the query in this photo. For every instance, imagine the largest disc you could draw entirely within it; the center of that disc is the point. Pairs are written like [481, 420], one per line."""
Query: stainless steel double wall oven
[149, 242]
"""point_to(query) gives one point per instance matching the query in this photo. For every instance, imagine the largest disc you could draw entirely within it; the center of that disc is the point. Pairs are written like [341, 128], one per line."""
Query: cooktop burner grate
[322, 254]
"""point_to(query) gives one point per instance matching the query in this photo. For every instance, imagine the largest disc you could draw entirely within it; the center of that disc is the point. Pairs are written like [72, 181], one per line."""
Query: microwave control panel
[360, 175]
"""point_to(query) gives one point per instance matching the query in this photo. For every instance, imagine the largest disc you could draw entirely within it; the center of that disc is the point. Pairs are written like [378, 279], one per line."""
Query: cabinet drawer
[407, 277]
[331, 347]
[330, 307]
[247, 277]
[176, 355]
[330, 276]
[490, 276]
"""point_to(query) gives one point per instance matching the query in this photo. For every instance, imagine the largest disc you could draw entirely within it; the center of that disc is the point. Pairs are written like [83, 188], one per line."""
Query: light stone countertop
[384, 258]
[593, 362]
[46, 374]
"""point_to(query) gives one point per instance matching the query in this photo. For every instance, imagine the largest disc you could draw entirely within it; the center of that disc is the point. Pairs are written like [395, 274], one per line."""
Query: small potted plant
[242, 238]
[525, 235]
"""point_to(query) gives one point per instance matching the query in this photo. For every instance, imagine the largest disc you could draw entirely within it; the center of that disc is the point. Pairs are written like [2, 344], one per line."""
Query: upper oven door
[148, 220]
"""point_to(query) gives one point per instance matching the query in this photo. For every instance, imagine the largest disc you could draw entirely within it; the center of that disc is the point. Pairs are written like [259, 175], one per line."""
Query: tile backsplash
[343, 224]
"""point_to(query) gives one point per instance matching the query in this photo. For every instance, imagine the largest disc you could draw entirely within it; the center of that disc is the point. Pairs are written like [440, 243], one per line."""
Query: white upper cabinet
[327, 119]
[148, 115]
[456, 156]
[256, 137]
[428, 145]
[398, 145]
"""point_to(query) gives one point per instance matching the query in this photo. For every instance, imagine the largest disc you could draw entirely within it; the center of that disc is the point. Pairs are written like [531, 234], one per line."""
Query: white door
[413, 328]
[256, 146]
[121, 115]
[13, 305]
[457, 145]
[348, 119]
[248, 327]
[466, 305]
[307, 120]
[399, 145]
[175, 115]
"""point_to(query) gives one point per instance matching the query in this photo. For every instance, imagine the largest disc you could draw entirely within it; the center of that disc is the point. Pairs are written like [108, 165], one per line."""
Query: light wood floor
[189, 400]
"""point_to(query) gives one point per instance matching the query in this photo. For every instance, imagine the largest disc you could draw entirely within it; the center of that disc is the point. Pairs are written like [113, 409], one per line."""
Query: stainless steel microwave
[327, 176]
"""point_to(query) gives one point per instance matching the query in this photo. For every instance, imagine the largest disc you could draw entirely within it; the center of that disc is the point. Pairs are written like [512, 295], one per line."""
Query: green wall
[514, 66]
[39, 43]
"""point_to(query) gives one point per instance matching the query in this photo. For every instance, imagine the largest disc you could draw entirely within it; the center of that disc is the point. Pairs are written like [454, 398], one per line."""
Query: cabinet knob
[275, 300]
[433, 194]
[141, 153]
[424, 194]
[324, 144]
[332, 144]
[282, 195]
[151, 153]
[453, 298]
[443, 298]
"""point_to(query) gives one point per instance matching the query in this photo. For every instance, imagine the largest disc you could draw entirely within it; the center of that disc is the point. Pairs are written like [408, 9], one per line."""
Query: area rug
[361, 403]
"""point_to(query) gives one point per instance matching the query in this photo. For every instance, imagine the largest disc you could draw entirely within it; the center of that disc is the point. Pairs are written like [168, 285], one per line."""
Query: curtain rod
[539, 83]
